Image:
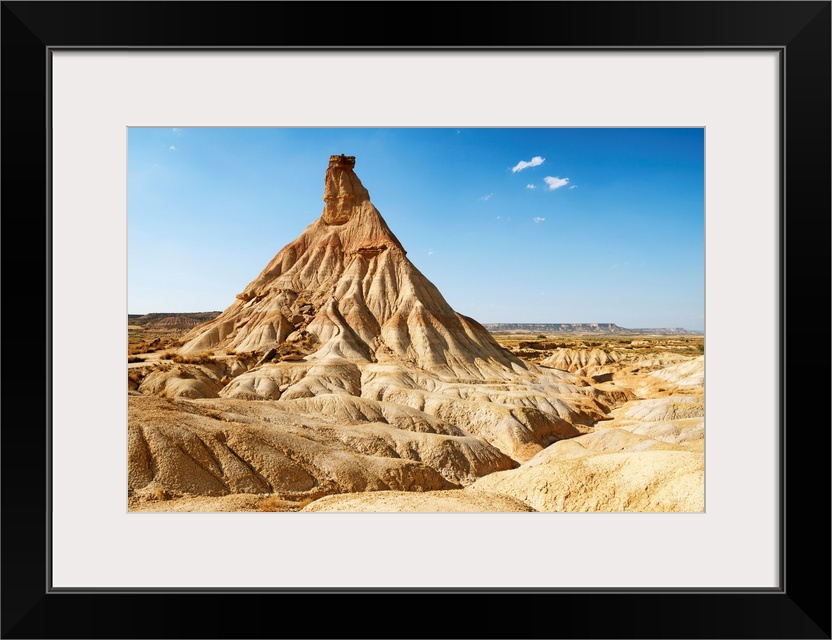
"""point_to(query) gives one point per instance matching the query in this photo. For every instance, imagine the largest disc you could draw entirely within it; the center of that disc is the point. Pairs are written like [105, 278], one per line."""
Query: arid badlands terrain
[341, 380]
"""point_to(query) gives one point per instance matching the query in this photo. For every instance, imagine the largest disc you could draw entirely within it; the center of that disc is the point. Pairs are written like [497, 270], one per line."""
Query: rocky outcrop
[347, 285]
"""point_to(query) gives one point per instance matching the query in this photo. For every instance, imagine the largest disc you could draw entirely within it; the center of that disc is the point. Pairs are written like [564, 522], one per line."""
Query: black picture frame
[799, 608]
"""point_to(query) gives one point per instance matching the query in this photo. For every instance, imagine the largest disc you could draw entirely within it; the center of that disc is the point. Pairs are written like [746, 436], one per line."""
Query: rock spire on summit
[342, 161]
[343, 191]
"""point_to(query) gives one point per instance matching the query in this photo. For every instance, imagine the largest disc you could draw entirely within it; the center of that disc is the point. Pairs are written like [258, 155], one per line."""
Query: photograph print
[416, 320]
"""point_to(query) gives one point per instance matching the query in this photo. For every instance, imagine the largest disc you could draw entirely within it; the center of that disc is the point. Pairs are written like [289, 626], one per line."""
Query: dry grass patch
[693, 345]
[134, 379]
[151, 346]
[200, 358]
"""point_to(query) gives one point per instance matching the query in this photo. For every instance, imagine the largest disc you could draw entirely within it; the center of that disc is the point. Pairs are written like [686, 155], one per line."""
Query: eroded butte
[340, 379]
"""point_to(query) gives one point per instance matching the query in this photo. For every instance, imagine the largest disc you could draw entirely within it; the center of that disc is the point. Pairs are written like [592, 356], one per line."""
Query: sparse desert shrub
[151, 346]
[200, 358]
[134, 378]
[541, 337]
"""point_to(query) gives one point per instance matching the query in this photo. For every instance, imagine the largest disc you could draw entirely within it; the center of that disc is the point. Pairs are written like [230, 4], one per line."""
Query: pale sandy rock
[659, 361]
[575, 360]
[678, 420]
[661, 409]
[651, 478]
[649, 458]
[681, 431]
[611, 440]
[184, 381]
[354, 410]
[289, 380]
[214, 447]
[237, 502]
[690, 373]
[434, 501]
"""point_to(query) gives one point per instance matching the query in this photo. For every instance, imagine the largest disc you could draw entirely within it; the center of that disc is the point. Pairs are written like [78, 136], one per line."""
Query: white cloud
[430, 252]
[534, 162]
[486, 197]
[538, 219]
[574, 186]
[172, 148]
[555, 183]
[530, 186]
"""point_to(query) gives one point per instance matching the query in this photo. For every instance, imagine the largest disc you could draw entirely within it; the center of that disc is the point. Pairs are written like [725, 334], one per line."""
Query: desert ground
[340, 379]
[644, 453]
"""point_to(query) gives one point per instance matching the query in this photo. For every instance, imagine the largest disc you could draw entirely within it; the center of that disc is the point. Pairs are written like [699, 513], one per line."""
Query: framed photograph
[753, 77]
[357, 355]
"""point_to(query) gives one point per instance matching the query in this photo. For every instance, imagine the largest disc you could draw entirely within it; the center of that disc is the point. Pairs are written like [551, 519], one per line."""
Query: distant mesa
[600, 328]
[170, 320]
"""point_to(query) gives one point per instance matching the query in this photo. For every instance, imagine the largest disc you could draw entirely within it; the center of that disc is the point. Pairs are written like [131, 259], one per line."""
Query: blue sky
[512, 225]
